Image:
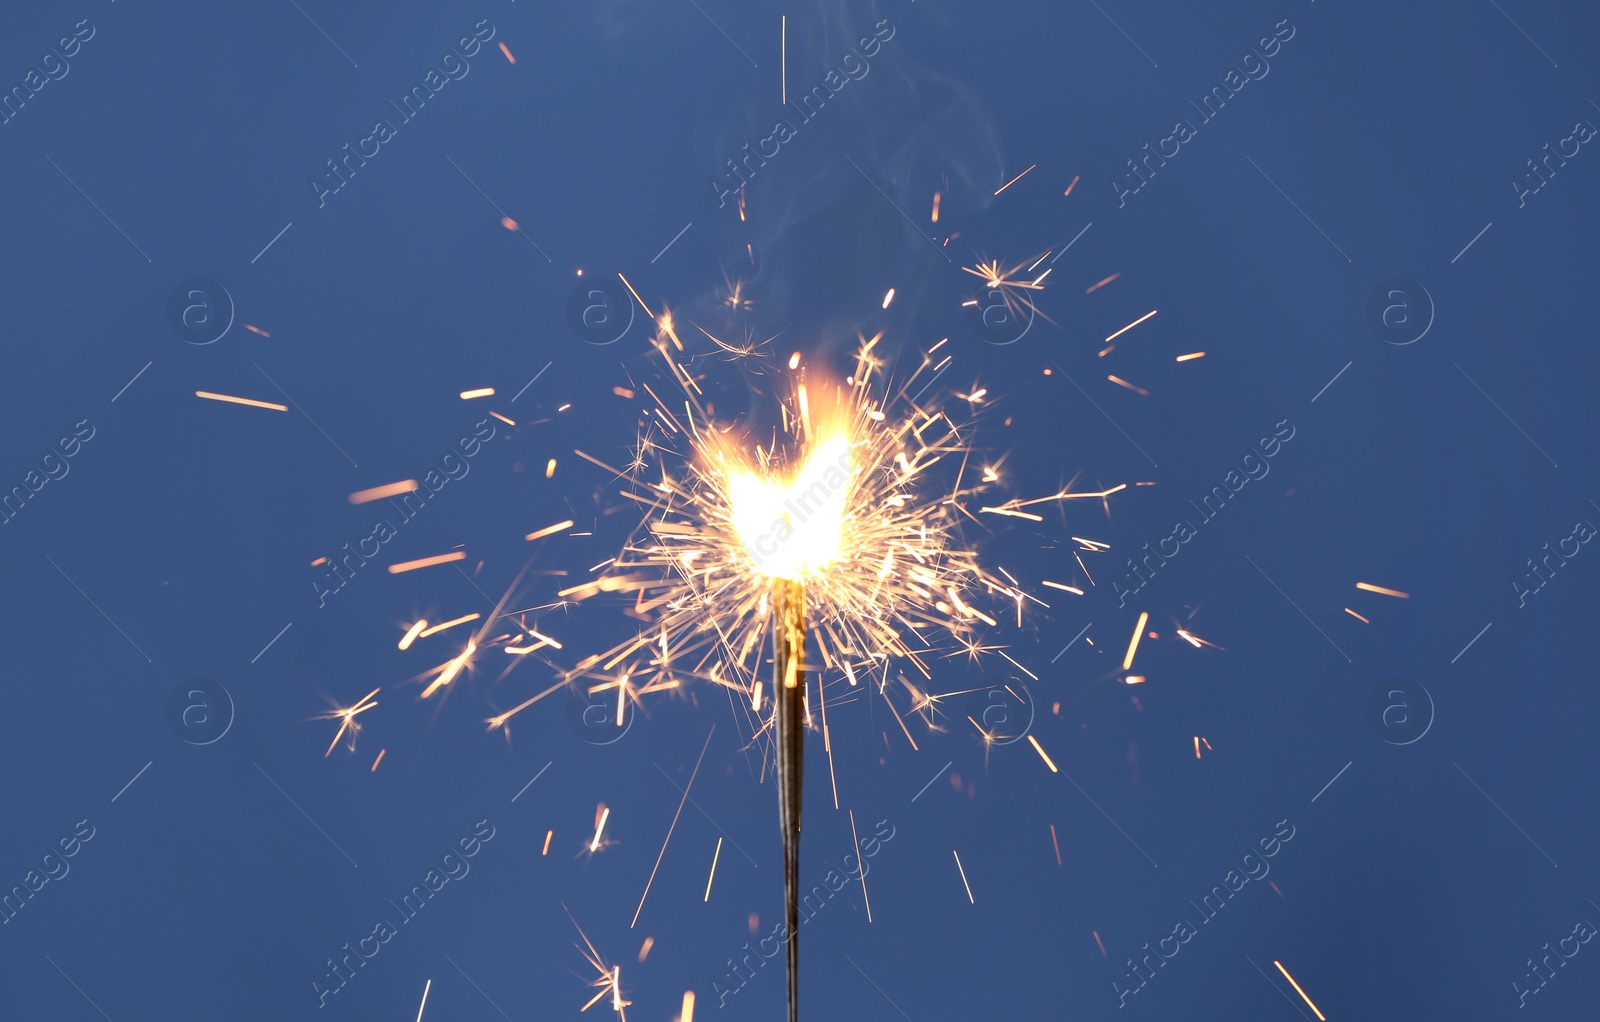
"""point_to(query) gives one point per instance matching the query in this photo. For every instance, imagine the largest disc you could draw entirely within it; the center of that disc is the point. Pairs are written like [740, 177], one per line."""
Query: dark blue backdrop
[171, 538]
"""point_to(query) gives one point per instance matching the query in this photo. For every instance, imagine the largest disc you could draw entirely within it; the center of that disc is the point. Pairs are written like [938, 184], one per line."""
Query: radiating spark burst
[348, 725]
[609, 982]
[1011, 283]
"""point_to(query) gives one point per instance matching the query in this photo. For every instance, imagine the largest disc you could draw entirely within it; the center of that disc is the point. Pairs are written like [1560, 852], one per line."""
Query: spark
[687, 1014]
[1133, 643]
[1057, 585]
[1100, 284]
[436, 629]
[888, 297]
[963, 876]
[1299, 991]
[673, 827]
[1057, 845]
[380, 492]
[346, 716]
[411, 634]
[550, 468]
[468, 395]
[935, 207]
[1119, 381]
[507, 51]
[636, 297]
[1196, 746]
[377, 761]
[1009, 284]
[714, 857]
[1071, 186]
[1195, 640]
[1099, 943]
[605, 814]
[508, 223]
[448, 673]
[1130, 326]
[1380, 589]
[1134, 679]
[546, 850]
[1042, 755]
[427, 562]
[256, 330]
[610, 978]
[644, 949]
[1192, 355]
[549, 530]
[240, 401]
[857, 841]
[1358, 617]
[1014, 180]
[424, 1004]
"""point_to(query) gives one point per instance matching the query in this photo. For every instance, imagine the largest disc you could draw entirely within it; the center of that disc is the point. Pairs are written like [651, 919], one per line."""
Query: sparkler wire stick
[789, 708]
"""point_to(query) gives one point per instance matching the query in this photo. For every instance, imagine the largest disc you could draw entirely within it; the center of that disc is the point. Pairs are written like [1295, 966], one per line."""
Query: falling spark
[1119, 381]
[1057, 845]
[1195, 640]
[963, 876]
[240, 401]
[1099, 943]
[1040, 750]
[623, 392]
[380, 492]
[605, 814]
[411, 634]
[378, 760]
[1358, 617]
[508, 223]
[888, 297]
[1097, 286]
[1134, 679]
[319, 560]
[1133, 643]
[1130, 326]
[507, 51]
[424, 1004]
[550, 468]
[1013, 181]
[1196, 746]
[549, 530]
[502, 418]
[784, 58]
[636, 297]
[1299, 991]
[546, 850]
[714, 857]
[644, 949]
[935, 207]
[427, 562]
[450, 670]
[468, 395]
[436, 629]
[256, 330]
[1073, 185]
[346, 716]
[1191, 355]
[1057, 585]
[794, 361]
[1380, 589]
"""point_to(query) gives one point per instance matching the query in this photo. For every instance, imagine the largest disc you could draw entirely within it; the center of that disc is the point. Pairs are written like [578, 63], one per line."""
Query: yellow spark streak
[644, 949]
[714, 857]
[755, 698]
[1358, 617]
[636, 297]
[1119, 381]
[887, 298]
[1014, 180]
[424, 1004]
[784, 63]
[1071, 186]
[674, 825]
[1133, 643]
[427, 562]
[550, 468]
[1040, 750]
[380, 492]
[548, 530]
[1380, 589]
[1297, 990]
[1134, 679]
[1191, 355]
[347, 716]
[1057, 585]
[1196, 746]
[1095, 287]
[547, 836]
[1130, 326]
[687, 1014]
[468, 395]
[963, 876]
[1010, 514]
[240, 401]
[411, 634]
[451, 669]
[377, 761]
[448, 624]
[935, 207]
[857, 841]
[605, 814]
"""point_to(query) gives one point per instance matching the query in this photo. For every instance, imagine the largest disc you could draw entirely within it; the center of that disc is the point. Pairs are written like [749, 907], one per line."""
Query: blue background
[183, 140]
